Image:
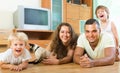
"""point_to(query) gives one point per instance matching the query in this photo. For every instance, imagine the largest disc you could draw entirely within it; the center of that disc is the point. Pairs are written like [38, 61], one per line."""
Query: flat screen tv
[32, 18]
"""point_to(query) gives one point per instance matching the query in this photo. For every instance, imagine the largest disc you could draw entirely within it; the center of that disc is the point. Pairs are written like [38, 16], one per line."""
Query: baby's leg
[119, 53]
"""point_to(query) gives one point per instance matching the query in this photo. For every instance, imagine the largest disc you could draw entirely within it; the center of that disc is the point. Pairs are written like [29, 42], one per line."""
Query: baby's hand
[19, 68]
[15, 68]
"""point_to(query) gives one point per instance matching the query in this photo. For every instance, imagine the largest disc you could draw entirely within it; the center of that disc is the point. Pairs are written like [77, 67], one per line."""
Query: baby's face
[102, 14]
[18, 47]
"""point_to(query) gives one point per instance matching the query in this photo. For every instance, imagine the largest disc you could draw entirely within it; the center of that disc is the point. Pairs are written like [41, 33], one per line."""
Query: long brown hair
[57, 47]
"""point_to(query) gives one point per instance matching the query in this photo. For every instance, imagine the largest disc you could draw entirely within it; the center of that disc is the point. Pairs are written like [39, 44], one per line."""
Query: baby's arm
[23, 65]
[19, 67]
[8, 66]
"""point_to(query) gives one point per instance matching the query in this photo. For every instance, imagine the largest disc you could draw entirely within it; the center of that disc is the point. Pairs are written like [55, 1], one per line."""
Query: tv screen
[35, 16]
[32, 18]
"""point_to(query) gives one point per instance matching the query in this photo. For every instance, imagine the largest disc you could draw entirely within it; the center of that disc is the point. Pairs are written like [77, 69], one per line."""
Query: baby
[17, 56]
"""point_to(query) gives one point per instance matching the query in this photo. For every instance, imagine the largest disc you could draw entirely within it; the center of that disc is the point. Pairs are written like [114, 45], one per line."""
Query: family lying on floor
[97, 46]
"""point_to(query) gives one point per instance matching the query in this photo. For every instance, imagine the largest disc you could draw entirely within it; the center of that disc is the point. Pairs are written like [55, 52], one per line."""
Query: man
[93, 47]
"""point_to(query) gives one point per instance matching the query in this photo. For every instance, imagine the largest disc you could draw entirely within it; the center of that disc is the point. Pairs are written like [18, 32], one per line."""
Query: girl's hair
[18, 36]
[102, 7]
[57, 47]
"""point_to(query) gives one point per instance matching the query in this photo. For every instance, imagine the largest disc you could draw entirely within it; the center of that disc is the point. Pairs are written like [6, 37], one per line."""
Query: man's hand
[85, 61]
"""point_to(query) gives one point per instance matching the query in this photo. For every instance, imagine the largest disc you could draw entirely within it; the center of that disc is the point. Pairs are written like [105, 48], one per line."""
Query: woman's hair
[57, 47]
[102, 7]
[18, 36]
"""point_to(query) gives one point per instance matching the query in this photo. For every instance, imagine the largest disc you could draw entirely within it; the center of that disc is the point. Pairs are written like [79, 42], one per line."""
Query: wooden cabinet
[84, 12]
[75, 11]
[72, 13]
[74, 23]
[40, 37]
[38, 34]
[4, 37]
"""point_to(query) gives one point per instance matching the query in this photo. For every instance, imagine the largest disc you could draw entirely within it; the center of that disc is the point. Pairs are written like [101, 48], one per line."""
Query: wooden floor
[66, 68]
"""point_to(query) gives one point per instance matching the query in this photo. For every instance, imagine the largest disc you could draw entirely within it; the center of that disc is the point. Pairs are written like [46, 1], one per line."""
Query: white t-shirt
[105, 41]
[108, 28]
[8, 57]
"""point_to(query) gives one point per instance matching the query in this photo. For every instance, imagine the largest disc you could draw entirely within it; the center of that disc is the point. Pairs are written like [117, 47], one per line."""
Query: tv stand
[40, 37]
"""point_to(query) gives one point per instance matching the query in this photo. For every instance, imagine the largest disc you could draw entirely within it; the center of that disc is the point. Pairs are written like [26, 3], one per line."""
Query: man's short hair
[92, 21]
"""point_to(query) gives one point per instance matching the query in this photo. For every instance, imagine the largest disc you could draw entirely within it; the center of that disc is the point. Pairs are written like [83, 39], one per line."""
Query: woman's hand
[51, 60]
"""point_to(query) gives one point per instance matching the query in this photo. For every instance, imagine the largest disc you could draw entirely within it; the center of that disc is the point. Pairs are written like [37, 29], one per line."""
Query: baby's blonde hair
[18, 36]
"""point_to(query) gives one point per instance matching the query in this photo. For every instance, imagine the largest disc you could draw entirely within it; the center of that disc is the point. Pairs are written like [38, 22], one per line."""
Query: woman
[62, 46]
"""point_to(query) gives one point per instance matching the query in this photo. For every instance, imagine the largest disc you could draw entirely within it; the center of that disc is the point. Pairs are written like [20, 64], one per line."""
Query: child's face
[102, 14]
[18, 47]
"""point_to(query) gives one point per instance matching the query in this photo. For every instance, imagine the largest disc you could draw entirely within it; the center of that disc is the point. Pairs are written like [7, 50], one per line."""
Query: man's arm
[85, 61]
[109, 58]
[77, 54]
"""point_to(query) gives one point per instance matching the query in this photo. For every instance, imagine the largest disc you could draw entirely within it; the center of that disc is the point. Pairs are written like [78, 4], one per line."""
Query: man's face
[92, 33]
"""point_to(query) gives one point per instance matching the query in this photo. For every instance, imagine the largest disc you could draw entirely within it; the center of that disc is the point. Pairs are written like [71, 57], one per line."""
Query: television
[32, 18]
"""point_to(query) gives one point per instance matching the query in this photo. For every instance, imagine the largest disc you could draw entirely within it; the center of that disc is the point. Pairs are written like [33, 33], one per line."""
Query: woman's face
[64, 34]
[17, 46]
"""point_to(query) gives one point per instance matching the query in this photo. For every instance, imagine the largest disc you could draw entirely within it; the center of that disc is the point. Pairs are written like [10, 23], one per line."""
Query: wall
[7, 7]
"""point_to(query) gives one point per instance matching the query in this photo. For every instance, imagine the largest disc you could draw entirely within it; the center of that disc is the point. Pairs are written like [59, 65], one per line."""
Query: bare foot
[117, 54]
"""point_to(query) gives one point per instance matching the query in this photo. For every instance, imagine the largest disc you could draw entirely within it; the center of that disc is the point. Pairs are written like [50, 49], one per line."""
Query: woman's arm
[52, 60]
[68, 58]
